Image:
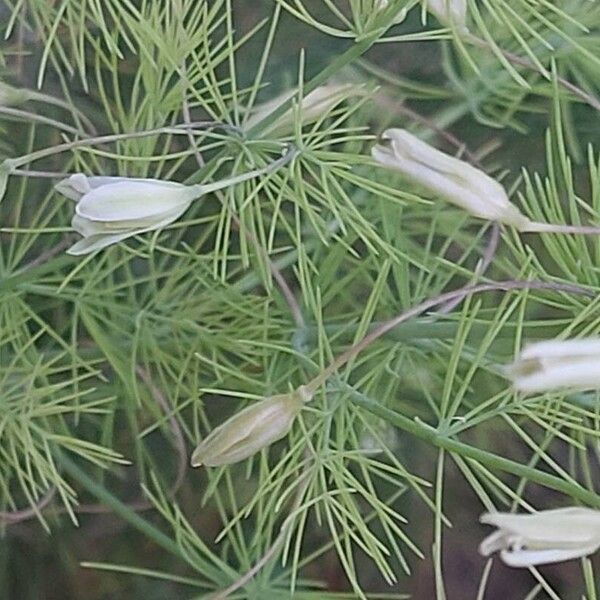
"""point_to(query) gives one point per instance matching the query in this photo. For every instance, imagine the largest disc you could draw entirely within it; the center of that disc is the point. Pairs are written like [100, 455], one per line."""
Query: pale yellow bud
[12, 96]
[251, 430]
[398, 17]
[312, 107]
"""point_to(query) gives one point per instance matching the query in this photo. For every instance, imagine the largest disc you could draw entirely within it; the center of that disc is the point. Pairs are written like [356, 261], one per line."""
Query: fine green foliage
[116, 364]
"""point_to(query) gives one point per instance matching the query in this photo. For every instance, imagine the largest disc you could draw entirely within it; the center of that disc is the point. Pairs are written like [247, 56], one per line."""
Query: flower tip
[196, 460]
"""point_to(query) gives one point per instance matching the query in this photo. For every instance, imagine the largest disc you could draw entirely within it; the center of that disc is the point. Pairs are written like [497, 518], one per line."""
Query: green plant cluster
[115, 365]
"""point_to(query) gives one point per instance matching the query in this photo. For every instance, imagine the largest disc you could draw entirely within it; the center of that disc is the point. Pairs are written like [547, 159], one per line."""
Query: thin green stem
[415, 311]
[118, 507]
[432, 436]
[105, 139]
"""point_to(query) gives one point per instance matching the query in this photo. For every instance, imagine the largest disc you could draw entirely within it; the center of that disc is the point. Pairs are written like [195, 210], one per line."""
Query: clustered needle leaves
[114, 366]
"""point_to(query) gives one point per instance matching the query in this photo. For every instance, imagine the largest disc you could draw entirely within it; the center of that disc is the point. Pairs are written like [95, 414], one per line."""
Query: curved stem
[104, 139]
[16, 516]
[415, 311]
[47, 99]
[271, 551]
[482, 266]
[589, 99]
[206, 188]
[118, 507]
[17, 113]
[280, 280]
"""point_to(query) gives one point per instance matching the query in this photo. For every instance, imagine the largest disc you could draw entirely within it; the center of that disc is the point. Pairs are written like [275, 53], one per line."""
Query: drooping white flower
[313, 106]
[448, 177]
[252, 429]
[557, 364]
[450, 12]
[548, 536]
[111, 209]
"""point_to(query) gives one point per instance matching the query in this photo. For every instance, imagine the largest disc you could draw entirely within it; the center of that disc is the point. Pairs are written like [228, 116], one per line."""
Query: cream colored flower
[111, 209]
[448, 177]
[250, 430]
[548, 536]
[557, 364]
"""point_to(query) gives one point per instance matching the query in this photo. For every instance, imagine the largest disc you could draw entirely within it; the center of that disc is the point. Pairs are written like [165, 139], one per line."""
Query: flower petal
[78, 184]
[133, 200]
[562, 348]
[97, 242]
[99, 237]
[493, 542]
[73, 187]
[576, 375]
[530, 558]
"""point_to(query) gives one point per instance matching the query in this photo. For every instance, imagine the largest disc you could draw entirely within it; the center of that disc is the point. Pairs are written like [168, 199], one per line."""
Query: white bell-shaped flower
[448, 177]
[557, 364]
[111, 209]
[548, 536]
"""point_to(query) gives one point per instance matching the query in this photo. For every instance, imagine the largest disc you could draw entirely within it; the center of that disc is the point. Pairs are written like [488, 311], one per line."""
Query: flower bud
[452, 13]
[313, 106]
[252, 429]
[12, 96]
[110, 209]
[557, 364]
[448, 177]
[548, 536]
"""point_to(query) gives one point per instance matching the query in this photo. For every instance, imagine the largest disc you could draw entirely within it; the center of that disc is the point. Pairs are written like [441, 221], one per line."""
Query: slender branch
[271, 551]
[18, 114]
[535, 227]
[432, 436]
[481, 268]
[179, 442]
[137, 506]
[415, 311]
[17, 516]
[50, 253]
[118, 507]
[589, 99]
[179, 438]
[284, 288]
[105, 139]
